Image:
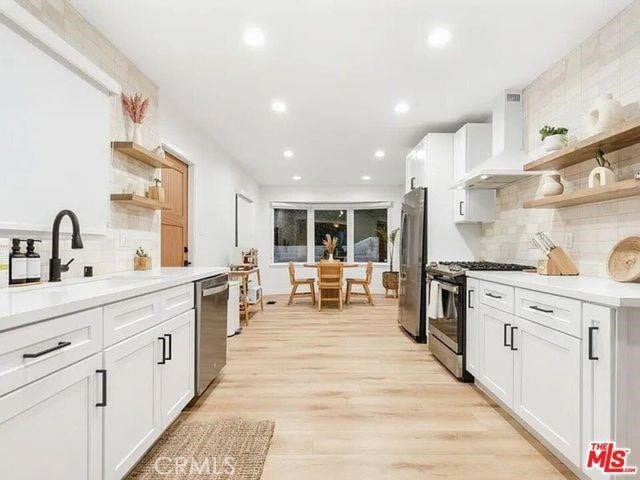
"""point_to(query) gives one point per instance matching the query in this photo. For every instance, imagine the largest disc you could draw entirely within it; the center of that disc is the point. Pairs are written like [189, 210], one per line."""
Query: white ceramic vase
[601, 176]
[331, 257]
[605, 114]
[136, 133]
[554, 142]
[551, 185]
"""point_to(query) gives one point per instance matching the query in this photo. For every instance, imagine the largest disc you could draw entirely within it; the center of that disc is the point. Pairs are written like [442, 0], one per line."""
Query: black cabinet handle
[460, 204]
[504, 340]
[103, 403]
[535, 307]
[164, 350]
[591, 356]
[469, 298]
[169, 336]
[512, 344]
[489, 294]
[48, 350]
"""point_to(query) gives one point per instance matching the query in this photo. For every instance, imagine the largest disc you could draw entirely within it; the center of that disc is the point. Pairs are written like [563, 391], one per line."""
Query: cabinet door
[460, 154]
[472, 333]
[597, 379]
[50, 429]
[548, 386]
[496, 364]
[132, 416]
[177, 373]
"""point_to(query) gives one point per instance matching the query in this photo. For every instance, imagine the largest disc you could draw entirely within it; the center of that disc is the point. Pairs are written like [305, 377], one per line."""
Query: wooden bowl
[624, 260]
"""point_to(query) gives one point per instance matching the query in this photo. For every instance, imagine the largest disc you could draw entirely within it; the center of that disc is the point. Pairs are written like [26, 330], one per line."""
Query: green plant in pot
[553, 138]
[391, 278]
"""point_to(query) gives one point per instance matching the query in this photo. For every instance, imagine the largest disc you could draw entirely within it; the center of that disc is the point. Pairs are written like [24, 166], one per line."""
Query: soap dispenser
[34, 265]
[17, 264]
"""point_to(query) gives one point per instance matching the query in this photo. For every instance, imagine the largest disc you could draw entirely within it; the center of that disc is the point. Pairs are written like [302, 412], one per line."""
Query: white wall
[275, 278]
[215, 178]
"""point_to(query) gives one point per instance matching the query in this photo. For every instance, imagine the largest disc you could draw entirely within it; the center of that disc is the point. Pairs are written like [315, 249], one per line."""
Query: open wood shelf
[620, 137]
[140, 153]
[138, 201]
[625, 188]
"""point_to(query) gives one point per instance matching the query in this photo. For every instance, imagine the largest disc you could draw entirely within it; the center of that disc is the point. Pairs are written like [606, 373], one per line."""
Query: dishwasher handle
[213, 291]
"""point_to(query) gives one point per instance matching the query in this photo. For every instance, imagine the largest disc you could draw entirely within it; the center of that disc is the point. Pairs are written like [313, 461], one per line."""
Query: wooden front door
[175, 232]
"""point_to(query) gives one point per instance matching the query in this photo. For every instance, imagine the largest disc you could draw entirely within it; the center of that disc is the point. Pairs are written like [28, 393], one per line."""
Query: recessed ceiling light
[296, 177]
[254, 37]
[278, 106]
[439, 37]
[401, 107]
[288, 154]
[379, 154]
[366, 177]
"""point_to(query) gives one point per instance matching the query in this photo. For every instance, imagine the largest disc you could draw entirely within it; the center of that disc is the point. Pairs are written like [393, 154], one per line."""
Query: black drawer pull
[48, 350]
[492, 295]
[535, 307]
[168, 335]
[591, 356]
[512, 344]
[469, 299]
[103, 403]
[164, 350]
[504, 340]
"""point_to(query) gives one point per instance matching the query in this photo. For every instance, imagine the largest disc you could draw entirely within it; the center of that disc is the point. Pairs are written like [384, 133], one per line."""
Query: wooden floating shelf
[138, 201]
[625, 188]
[140, 153]
[621, 137]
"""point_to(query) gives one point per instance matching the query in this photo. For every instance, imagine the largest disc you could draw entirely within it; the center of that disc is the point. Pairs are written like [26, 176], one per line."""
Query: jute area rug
[221, 449]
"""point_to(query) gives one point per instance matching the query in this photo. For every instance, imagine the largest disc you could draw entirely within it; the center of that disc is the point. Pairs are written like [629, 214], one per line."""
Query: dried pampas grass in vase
[330, 244]
[136, 109]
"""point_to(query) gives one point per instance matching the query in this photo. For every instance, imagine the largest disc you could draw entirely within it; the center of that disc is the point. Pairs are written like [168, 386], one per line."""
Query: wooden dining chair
[330, 281]
[364, 282]
[296, 282]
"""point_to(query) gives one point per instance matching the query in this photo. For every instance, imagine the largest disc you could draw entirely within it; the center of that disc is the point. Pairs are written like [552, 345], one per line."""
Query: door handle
[512, 344]
[460, 204]
[103, 402]
[469, 299]
[504, 336]
[213, 291]
[48, 350]
[170, 337]
[164, 348]
[591, 356]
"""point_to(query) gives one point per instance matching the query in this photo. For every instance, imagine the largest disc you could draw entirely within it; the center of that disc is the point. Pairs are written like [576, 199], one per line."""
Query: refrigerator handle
[403, 248]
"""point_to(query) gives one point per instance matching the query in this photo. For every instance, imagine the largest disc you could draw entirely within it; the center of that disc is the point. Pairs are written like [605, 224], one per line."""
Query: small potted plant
[136, 109]
[553, 138]
[142, 260]
[391, 278]
[330, 244]
[156, 192]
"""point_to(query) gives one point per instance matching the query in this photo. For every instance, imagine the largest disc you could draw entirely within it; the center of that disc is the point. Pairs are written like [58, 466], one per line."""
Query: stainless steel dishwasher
[212, 296]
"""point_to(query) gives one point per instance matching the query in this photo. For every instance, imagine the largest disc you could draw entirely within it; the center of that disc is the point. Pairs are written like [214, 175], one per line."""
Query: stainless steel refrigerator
[413, 257]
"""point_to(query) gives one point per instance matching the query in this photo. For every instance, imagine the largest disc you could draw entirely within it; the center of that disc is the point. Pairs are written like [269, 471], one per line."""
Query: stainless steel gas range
[446, 310]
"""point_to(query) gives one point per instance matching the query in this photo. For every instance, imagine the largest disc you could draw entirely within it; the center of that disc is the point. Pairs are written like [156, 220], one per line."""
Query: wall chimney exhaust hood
[508, 157]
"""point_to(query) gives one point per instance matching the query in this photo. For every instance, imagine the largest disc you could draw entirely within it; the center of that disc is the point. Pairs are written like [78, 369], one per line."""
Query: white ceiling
[340, 65]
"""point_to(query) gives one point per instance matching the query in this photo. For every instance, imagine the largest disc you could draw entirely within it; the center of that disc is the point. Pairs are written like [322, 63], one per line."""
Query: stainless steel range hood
[508, 156]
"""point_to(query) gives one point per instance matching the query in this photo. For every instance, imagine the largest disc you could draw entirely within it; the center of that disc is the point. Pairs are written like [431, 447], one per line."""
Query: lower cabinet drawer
[34, 351]
[560, 313]
[496, 295]
[129, 317]
[176, 300]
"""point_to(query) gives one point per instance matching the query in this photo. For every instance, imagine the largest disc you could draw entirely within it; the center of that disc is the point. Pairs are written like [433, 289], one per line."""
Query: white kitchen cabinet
[132, 420]
[473, 332]
[471, 146]
[474, 206]
[597, 379]
[496, 361]
[547, 385]
[411, 180]
[177, 372]
[51, 428]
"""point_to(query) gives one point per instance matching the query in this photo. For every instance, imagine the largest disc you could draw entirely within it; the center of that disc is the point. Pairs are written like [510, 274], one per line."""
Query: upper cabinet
[416, 167]
[471, 146]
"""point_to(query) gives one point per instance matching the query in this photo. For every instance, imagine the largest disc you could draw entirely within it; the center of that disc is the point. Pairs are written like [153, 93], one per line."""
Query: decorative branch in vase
[136, 109]
[330, 244]
[390, 279]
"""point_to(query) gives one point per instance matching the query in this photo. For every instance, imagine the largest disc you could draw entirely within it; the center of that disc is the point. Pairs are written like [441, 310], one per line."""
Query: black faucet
[55, 267]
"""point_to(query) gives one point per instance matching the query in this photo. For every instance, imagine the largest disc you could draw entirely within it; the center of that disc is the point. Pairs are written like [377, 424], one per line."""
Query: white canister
[551, 184]
[605, 114]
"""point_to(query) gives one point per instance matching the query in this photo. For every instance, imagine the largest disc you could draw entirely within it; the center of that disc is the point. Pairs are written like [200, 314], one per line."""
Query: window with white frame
[361, 230]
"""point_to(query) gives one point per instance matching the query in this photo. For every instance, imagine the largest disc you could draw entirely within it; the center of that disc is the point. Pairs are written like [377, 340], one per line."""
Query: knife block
[557, 263]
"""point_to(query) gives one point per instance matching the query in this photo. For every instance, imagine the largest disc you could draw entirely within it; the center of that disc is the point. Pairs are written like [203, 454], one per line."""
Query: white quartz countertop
[29, 304]
[603, 291]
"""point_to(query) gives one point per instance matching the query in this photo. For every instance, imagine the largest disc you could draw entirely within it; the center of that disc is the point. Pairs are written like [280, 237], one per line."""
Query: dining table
[331, 293]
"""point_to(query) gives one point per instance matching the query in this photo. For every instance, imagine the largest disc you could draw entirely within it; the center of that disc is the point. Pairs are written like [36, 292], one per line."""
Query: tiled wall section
[608, 61]
[139, 227]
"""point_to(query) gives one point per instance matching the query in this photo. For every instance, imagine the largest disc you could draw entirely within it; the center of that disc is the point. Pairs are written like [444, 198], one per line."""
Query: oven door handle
[449, 288]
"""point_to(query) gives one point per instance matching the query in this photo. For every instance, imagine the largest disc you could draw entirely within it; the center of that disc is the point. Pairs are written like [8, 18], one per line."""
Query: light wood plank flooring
[355, 399]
